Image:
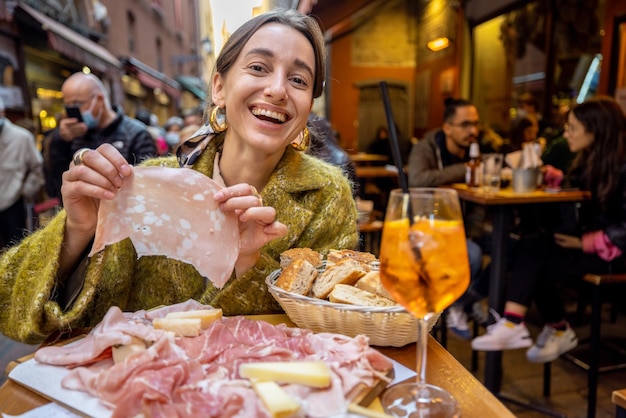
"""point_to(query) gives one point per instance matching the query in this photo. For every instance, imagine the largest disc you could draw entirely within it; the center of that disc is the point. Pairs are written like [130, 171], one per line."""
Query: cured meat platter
[46, 380]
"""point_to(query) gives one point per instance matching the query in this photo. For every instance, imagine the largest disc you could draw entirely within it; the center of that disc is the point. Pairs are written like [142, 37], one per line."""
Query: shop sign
[132, 86]
[12, 97]
[161, 97]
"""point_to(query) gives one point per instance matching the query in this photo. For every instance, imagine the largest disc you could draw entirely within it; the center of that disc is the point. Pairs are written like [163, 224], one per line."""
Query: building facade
[138, 48]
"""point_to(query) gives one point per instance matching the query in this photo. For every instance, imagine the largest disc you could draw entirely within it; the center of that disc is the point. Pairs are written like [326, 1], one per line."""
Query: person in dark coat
[101, 123]
[325, 146]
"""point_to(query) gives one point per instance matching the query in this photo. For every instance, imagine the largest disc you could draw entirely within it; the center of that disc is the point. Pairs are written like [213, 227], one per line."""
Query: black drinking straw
[395, 146]
[397, 159]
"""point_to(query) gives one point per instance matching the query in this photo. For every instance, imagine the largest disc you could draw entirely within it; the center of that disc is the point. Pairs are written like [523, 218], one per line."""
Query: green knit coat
[311, 197]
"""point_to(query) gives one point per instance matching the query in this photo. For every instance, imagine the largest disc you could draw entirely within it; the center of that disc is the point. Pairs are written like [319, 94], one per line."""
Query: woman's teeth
[267, 114]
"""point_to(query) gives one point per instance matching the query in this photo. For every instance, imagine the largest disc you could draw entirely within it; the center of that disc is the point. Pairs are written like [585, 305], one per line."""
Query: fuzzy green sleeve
[28, 285]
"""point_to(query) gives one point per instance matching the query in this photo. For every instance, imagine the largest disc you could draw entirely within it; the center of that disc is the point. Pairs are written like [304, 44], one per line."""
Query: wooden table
[619, 399]
[503, 204]
[370, 172]
[443, 370]
[363, 157]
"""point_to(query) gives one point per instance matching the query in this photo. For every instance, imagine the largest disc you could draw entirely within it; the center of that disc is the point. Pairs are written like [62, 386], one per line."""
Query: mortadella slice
[171, 212]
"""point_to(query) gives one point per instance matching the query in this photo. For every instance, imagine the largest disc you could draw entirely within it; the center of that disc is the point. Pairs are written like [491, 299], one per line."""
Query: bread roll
[346, 271]
[334, 256]
[349, 294]
[312, 256]
[298, 277]
[371, 283]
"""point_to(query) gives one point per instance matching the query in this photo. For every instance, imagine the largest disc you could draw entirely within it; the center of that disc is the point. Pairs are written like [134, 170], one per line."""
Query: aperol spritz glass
[425, 267]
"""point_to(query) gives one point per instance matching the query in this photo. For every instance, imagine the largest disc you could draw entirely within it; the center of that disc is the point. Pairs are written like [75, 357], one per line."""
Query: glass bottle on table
[472, 167]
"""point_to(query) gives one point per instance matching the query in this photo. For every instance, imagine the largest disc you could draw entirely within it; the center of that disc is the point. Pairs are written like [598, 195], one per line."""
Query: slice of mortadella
[171, 212]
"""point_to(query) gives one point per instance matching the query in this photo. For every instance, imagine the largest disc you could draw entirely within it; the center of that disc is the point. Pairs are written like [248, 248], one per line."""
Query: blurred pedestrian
[152, 125]
[94, 122]
[194, 116]
[172, 127]
[21, 177]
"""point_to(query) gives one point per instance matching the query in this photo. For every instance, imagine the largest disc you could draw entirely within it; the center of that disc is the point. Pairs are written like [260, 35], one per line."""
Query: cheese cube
[120, 352]
[181, 327]
[207, 316]
[278, 402]
[309, 373]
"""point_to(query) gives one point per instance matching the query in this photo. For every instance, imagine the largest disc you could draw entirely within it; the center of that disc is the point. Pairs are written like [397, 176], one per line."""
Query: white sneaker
[456, 321]
[551, 343]
[503, 335]
[479, 314]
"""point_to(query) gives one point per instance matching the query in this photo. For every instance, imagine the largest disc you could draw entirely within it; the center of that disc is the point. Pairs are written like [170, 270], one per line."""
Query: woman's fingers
[238, 197]
[276, 229]
[263, 215]
[96, 173]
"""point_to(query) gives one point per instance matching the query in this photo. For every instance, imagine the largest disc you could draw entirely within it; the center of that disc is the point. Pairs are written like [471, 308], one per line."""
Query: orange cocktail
[425, 266]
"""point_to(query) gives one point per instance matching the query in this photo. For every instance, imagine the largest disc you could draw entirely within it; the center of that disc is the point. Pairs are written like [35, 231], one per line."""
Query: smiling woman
[262, 91]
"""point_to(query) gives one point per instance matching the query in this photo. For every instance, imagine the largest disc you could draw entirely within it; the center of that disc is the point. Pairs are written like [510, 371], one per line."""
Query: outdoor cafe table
[365, 158]
[619, 399]
[369, 172]
[503, 204]
[475, 401]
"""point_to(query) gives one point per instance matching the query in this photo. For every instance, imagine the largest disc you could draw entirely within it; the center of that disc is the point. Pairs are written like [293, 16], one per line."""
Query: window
[132, 31]
[522, 54]
[159, 54]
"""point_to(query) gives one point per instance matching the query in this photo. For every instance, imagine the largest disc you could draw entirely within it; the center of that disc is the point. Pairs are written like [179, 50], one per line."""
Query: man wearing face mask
[172, 127]
[100, 124]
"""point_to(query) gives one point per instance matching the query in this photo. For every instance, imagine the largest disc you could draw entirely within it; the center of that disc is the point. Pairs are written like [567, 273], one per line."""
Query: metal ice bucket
[525, 180]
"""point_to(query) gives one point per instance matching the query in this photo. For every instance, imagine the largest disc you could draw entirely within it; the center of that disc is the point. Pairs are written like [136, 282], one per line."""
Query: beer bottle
[472, 167]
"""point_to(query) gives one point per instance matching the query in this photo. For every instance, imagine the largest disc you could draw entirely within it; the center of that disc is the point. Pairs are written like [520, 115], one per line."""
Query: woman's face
[268, 92]
[577, 137]
[530, 133]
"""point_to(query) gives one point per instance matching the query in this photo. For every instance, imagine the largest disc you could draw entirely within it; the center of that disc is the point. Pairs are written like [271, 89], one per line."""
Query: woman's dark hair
[306, 25]
[451, 105]
[603, 160]
[380, 130]
[516, 138]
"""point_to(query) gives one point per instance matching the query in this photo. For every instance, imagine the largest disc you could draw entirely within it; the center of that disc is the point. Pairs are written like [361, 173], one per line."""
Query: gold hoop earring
[217, 119]
[304, 140]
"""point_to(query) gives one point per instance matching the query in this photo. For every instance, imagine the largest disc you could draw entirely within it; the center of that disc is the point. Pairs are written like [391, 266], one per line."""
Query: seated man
[439, 158]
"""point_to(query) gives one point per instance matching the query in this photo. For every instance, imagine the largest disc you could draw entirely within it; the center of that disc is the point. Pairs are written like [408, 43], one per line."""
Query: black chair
[589, 360]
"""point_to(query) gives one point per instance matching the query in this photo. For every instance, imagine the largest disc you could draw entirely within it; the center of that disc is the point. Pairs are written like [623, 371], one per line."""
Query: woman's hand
[257, 223]
[93, 175]
[552, 177]
[568, 241]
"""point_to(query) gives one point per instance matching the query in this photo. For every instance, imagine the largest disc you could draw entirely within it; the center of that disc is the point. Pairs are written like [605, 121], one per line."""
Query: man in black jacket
[99, 123]
[437, 159]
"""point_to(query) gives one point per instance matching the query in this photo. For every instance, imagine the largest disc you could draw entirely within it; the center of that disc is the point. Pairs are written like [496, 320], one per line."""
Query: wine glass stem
[422, 345]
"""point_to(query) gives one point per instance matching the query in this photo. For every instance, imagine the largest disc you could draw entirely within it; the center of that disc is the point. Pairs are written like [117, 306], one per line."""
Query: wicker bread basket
[385, 326]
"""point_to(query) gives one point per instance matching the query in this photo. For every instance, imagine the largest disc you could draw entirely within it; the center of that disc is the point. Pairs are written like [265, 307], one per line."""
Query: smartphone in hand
[74, 112]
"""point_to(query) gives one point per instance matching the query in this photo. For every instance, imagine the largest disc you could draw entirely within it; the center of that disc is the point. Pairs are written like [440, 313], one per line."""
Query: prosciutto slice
[171, 212]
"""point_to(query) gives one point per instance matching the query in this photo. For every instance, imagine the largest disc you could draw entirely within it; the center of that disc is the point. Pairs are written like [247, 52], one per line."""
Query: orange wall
[344, 95]
[438, 69]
